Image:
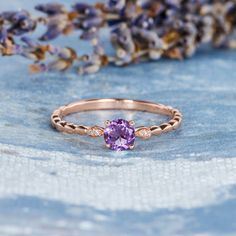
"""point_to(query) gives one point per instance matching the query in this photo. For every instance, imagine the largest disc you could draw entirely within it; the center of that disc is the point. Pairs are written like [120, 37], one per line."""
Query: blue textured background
[182, 183]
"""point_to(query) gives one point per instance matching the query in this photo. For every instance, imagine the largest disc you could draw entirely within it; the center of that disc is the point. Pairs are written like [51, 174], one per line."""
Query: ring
[119, 134]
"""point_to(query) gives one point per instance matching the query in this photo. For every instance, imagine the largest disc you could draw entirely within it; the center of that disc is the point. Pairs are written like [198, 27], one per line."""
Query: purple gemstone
[119, 135]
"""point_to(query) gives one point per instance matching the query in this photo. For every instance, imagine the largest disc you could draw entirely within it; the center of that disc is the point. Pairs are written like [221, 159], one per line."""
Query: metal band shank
[115, 104]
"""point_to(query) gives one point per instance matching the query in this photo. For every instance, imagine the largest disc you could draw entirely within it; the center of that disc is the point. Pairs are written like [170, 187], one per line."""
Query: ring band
[119, 134]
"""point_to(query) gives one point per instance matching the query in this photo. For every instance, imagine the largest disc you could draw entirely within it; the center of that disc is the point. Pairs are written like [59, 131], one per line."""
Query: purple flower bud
[17, 50]
[173, 3]
[231, 10]
[149, 37]
[21, 22]
[53, 31]
[121, 37]
[81, 7]
[92, 12]
[89, 34]
[3, 35]
[20, 15]
[144, 21]
[28, 41]
[115, 5]
[51, 8]
[92, 22]
[7, 15]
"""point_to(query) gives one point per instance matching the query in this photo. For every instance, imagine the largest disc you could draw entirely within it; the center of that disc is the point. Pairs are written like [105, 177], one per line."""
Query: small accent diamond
[143, 132]
[95, 131]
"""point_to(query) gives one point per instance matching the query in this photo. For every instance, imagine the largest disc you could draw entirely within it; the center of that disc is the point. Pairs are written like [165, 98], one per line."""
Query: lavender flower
[20, 22]
[139, 30]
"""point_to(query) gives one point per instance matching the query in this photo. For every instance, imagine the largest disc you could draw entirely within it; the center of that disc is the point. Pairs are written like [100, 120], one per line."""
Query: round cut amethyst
[119, 135]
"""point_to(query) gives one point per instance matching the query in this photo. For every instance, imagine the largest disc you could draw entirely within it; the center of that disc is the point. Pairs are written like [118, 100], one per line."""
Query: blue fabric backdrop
[182, 183]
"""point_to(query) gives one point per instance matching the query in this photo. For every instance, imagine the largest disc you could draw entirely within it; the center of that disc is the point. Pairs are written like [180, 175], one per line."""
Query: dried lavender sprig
[140, 30]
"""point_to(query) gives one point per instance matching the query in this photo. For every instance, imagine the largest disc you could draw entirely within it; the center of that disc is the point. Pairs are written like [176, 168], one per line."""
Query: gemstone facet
[119, 135]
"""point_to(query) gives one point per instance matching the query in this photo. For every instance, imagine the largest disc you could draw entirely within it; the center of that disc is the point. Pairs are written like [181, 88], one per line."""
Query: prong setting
[131, 147]
[132, 122]
[107, 123]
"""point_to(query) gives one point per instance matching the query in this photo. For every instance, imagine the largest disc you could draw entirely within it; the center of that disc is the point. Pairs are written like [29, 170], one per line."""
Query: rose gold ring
[119, 134]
